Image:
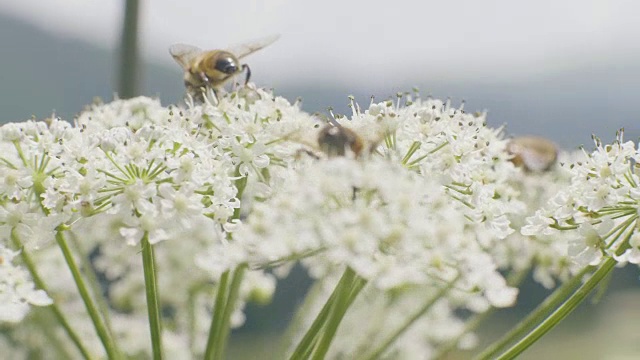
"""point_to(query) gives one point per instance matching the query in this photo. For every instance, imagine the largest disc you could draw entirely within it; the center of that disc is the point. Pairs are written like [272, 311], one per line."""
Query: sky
[371, 43]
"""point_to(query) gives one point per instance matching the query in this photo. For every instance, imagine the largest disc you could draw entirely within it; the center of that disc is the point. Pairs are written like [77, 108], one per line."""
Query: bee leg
[356, 190]
[196, 93]
[203, 77]
[211, 94]
[310, 153]
[246, 67]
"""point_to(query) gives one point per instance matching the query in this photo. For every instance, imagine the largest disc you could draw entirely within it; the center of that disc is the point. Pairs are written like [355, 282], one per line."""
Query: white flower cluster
[130, 169]
[597, 213]
[424, 199]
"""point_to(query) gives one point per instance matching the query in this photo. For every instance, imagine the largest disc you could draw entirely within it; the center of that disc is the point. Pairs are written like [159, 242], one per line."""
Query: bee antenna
[246, 67]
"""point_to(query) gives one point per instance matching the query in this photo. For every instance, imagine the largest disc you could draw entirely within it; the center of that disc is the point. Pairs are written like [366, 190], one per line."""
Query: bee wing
[184, 54]
[247, 48]
[537, 161]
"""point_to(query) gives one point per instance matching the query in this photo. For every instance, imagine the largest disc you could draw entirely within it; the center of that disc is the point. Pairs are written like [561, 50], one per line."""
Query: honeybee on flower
[214, 68]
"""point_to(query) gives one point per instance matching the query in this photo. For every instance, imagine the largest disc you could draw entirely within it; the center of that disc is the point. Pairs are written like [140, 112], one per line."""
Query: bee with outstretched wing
[213, 68]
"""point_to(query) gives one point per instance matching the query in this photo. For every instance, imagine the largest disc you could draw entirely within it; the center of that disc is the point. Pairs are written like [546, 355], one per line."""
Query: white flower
[17, 291]
[632, 254]
[601, 196]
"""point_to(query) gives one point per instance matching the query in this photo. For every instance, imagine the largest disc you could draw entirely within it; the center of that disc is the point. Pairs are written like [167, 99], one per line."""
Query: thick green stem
[329, 316]
[393, 336]
[218, 315]
[308, 340]
[75, 339]
[153, 303]
[94, 282]
[232, 298]
[344, 298]
[565, 309]
[129, 74]
[103, 333]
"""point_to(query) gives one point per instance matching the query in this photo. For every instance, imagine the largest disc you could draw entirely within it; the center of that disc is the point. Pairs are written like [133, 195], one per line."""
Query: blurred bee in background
[533, 153]
[214, 68]
[337, 140]
[333, 140]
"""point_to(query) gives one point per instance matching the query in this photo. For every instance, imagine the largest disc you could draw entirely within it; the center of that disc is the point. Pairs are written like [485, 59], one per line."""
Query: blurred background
[560, 69]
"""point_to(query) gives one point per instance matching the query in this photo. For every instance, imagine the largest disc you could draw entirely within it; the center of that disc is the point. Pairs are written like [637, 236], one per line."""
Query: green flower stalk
[153, 301]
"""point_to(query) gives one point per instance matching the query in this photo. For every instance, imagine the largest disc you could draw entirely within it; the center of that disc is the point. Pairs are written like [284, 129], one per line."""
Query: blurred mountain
[40, 73]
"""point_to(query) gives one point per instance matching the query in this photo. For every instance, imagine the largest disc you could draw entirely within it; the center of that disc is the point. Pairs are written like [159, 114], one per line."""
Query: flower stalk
[345, 297]
[601, 273]
[101, 329]
[232, 298]
[60, 317]
[217, 319]
[563, 311]
[153, 300]
[315, 343]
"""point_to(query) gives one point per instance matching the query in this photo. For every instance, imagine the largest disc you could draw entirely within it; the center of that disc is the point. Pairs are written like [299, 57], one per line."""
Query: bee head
[225, 63]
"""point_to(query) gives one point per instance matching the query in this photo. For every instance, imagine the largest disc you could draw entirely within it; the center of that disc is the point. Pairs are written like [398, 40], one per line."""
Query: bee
[214, 68]
[533, 153]
[337, 140]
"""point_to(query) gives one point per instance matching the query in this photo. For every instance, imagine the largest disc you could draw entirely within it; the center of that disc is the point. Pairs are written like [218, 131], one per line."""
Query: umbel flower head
[597, 213]
[427, 202]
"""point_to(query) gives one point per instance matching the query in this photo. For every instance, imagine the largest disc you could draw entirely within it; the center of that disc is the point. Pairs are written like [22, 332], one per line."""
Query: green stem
[103, 333]
[393, 336]
[602, 272]
[318, 338]
[216, 318]
[227, 295]
[153, 303]
[565, 309]
[554, 300]
[534, 317]
[89, 271]
[232, 298]
[226, 299]
[346, 294]
[308, 340]
[75, 339]
[128, 81]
